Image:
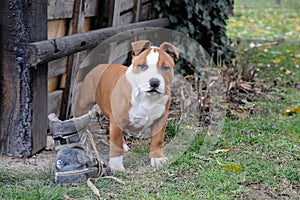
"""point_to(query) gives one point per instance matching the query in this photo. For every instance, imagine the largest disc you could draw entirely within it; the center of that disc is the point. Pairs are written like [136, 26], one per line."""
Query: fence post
[23, 94]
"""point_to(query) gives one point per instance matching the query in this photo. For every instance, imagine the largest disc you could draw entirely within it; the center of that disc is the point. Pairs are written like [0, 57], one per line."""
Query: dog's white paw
[126, 148]
[158, 162]
[116, 163]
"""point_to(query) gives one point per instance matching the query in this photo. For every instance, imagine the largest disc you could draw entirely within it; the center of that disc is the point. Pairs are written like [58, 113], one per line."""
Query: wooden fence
[38, 67]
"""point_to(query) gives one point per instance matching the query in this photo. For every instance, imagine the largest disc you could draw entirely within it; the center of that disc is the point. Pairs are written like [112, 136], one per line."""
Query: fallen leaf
[234, 168]
[222, 150]
[296, 55]
[240, 113]
[277, 60]
[231, 167]
[289, 112]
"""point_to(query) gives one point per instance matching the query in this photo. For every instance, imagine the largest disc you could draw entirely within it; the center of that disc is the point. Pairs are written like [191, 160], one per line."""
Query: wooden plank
[63, 9]
[127, 11]
[58, 9]
[38, 79]
[129, 5]
[110, 13]
[125, 4]
[23, 119]
[145, 10]
[48, 50]
[72, 61]
[138, 10]
[57, 67]
[126, 18]
[52, 84]
[76, 90]
[117, 11]
[92, 8]
[54, 102]
[118, 56]
[56, 29]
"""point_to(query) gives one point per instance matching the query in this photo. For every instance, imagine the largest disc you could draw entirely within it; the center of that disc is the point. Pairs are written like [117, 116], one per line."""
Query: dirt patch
[40, 161]
[259, 191]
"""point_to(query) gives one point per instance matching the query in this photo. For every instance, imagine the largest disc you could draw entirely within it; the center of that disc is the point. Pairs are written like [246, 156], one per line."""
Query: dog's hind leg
[86, 99]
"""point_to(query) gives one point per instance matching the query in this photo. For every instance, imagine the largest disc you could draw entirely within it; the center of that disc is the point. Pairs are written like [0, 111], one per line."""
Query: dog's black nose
[154, 82]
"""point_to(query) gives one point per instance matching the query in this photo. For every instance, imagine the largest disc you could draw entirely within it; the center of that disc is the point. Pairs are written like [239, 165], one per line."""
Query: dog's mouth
[153, 91]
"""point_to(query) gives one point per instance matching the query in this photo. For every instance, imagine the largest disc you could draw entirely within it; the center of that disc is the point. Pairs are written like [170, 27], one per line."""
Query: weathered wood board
[23, 123]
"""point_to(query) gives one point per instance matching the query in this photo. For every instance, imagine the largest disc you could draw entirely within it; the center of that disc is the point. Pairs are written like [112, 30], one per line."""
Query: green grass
[264, 20]
[266, 144]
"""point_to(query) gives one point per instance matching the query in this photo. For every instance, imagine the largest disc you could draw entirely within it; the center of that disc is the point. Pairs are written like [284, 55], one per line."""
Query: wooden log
[48, 50]
[23, 105]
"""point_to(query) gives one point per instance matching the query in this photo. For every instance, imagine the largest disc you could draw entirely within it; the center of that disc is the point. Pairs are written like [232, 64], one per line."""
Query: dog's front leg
[116, 146]
[157, 139]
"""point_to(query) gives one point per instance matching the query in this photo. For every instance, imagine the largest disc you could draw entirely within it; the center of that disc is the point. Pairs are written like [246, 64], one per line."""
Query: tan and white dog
[135, 98]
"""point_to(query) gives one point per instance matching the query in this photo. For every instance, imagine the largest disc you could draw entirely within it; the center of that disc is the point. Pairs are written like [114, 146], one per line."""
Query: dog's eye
[165, 68]
[143, 66]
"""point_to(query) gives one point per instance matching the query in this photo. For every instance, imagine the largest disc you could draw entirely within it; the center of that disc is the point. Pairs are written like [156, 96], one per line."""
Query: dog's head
[151, 71]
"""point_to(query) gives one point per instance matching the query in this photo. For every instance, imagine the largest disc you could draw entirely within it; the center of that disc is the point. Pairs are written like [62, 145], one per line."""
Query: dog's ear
[170, 49]
[139, 46]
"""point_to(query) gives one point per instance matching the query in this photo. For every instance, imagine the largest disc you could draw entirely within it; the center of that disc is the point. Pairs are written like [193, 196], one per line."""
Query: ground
[257, 155]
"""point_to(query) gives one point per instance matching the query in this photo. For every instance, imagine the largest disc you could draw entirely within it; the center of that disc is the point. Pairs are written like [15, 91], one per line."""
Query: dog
[135, 99]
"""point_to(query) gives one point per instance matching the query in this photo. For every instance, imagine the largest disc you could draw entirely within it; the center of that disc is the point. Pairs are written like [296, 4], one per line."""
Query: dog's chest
[145, 110]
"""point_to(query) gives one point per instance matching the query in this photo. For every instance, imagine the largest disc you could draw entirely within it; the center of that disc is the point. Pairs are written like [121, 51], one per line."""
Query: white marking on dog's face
[141, 78]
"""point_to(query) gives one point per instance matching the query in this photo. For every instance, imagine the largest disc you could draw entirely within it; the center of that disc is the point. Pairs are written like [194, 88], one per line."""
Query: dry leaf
[240, 113]
[277, 60]
[289, 112]
[244, 85]
[222, 150]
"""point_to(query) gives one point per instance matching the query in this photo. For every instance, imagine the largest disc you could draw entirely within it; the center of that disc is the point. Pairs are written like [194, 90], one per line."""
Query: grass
[264, 146]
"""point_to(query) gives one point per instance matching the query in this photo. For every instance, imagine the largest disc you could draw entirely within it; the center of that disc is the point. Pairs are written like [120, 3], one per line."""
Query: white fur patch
[158, 162]
[126, 148]
[116, 163]
[152, 58]
[140, 81]
[146, 107]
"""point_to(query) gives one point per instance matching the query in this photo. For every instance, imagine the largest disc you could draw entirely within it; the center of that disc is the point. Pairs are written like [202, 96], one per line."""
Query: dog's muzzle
[154, 85]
